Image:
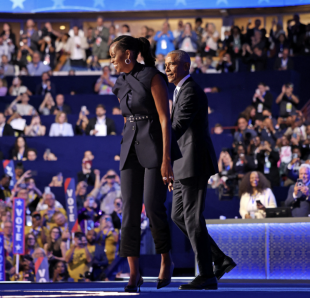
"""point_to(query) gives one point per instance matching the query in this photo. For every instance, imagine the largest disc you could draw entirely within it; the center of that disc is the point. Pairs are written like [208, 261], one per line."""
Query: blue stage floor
[114, 289]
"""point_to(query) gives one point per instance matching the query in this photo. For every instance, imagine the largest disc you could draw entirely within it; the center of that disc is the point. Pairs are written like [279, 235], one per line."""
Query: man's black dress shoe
[226, 266]
[201, 283]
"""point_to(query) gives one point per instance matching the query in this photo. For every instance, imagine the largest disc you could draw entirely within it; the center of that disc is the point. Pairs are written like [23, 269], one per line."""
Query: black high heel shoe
[161, 283]
[134, 289]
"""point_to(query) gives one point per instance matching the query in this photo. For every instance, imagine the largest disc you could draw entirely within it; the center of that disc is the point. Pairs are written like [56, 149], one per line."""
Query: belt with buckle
[139, 118]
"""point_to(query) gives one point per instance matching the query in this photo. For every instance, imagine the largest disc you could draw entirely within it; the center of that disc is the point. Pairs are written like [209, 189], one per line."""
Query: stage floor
[114, 289]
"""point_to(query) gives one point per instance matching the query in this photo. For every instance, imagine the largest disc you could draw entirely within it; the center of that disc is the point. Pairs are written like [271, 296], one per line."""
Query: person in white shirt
[61, 128]
[256, 196]
[209, 39]
[105, 83]
[6, 48]
[23, 108]
[179, 30]
[76, 47]
[17, 88]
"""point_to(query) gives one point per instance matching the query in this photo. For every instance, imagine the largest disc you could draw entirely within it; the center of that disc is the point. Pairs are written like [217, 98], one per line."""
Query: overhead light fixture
[62, 27]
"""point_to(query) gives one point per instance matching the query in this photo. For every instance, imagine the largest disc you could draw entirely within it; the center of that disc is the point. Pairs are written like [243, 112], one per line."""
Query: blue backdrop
[104, 5]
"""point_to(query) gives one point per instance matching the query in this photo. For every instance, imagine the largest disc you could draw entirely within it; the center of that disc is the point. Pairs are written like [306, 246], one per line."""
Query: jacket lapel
[178, 95]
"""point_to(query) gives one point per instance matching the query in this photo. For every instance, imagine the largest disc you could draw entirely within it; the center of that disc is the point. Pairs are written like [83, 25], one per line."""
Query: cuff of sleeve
[295, 197]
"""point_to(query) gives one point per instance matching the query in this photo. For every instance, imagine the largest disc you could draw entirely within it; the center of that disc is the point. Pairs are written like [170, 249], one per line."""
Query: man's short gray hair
[305, 165]
[182, 56]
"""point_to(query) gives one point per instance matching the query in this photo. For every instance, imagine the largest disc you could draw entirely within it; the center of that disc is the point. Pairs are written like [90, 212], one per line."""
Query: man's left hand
[305, 190]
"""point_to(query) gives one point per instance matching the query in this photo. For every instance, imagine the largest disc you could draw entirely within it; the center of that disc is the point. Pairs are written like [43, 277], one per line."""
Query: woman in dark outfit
[145, 159]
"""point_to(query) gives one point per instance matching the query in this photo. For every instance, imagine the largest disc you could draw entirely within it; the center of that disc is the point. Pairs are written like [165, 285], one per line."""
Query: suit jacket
[102, 49]
[7, 130]
[41, 91]
[300, 206]
[65, 109]
[273, 176]
[189, 117]
[88, 178]
[109, 122]
[66, 131]
[34, 39]
[278, 64]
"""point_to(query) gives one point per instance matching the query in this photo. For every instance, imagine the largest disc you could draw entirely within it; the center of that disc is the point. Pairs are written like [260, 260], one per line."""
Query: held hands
[305, 190]
[296, 189]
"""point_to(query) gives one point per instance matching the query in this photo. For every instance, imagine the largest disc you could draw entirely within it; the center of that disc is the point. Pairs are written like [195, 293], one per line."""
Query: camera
[111, 177]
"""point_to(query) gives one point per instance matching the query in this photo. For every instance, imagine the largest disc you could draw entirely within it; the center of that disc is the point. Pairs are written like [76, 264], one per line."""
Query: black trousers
[187, 208]
[138, 183]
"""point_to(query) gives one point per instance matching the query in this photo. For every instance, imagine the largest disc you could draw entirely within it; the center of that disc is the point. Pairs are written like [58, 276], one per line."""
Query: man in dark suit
[5, 129]
[189, 117]
[100, 125]
[284, 62]
[46, 86]
[298, 195]
[60, 106]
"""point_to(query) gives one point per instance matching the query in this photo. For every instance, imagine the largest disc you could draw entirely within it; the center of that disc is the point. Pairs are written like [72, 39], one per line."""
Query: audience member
[5, 128]
[226, 64]
[17, 88]
[94, 64]
[46, 86]
[293, 166]
[105, 83]
[188, 40]
[78, 257]
[100, 36]
[5, 192]
[164, 39]
[24, 53]
[108, 237]
[244, 134]
[256, 58]
[210, 39]
[81, 124]
[255, 196]
[117, 214]
[8, 34]
[61, 127]
[242, 163]
[288, 102]
[284, 62]
[47, 104]
[55, 248]
[3, 87]
[218, 129]
[87, 174]
[61, 273]
[35, 129]
[60, 106]
[100, 125]
[49, 156]
[298, 194]
[107, 190]
[7, 48]
[26, 270]
[100, 261]
[296, 34]
[32, 35]
[262, 99]
[177, 32]
[31, 154]
[267, 159]
[20, 149]
[39, 232]
[6, 69]
[37, 67]
[57, 181]
[235, 42]
[30, 244]
[76, 47]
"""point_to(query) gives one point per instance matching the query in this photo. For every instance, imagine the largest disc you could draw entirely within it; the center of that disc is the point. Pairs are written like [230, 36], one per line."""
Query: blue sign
[9, 169]
[2, 258]
[19, 206]
[71, 204]
[37, 6]
[41, 269]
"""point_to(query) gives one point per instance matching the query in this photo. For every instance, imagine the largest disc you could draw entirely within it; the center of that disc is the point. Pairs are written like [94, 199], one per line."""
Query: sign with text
[41, 269]
[71, 204]
[19, 206]
[2, 258]
[9, 169]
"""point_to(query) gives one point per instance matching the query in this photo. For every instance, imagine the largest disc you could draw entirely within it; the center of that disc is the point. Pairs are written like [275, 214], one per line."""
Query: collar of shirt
[180, 84]
[101, 120]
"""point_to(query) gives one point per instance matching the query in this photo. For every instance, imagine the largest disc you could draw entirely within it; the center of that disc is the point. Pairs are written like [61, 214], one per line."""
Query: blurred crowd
[277, 149]
[87, 252]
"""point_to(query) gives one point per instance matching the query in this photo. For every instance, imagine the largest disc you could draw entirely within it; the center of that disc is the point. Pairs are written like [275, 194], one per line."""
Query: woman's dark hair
[247, 112]
[137, 45]
[66, 274]
[16, 146]
[56, 245]
[233, 28]
[26, 240]
[127, 27]
[246, 187]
